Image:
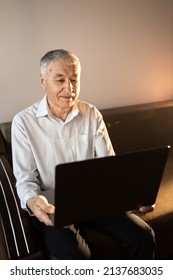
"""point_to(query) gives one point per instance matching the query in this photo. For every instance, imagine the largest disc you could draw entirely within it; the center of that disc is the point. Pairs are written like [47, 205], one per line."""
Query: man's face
[61, 83]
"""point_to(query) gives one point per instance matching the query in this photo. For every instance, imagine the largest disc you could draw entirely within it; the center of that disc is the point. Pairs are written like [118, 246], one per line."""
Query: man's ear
[42, 81]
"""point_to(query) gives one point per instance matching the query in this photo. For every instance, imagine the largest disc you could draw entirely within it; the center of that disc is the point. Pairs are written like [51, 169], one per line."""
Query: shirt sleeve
[24, 166]
[103, 145]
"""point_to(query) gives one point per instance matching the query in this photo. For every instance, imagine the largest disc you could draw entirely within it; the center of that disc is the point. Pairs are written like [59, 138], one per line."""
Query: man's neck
[60, 113]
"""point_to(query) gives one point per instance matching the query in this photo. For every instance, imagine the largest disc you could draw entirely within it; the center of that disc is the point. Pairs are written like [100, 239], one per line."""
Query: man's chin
[67, 104]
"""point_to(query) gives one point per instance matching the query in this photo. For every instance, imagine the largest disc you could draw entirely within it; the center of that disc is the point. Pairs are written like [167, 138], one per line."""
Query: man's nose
[68, 86]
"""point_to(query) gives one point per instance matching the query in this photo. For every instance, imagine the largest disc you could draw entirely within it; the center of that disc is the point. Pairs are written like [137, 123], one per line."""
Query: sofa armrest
[21, 241]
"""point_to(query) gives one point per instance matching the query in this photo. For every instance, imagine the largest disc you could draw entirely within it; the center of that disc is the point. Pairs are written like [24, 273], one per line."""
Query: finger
[42, 203]
[43, 217]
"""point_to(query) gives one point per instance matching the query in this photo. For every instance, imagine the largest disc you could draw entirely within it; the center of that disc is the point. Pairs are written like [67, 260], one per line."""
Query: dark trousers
[130, 233]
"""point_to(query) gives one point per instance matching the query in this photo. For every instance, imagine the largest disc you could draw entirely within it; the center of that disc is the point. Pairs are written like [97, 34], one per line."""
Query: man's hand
[41, 209]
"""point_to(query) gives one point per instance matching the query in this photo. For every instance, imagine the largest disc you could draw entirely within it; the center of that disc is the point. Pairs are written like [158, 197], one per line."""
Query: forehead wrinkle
[59, 75]
[55, 72]
[61, 71]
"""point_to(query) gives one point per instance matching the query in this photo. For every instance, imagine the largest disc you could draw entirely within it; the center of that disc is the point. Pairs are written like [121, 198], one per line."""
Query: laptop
[99, 187]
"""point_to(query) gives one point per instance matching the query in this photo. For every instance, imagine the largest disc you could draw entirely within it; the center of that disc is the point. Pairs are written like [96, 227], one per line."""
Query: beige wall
[125, 47]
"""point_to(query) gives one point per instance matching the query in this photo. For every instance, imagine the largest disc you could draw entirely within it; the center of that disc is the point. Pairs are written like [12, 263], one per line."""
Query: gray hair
[58, 54]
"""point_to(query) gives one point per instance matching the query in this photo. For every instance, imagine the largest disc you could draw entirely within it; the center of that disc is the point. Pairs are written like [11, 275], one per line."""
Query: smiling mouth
[69, 98]
[66, 97]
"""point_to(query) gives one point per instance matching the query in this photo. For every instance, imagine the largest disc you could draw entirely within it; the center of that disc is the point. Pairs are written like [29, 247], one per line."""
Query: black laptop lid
[89, 189]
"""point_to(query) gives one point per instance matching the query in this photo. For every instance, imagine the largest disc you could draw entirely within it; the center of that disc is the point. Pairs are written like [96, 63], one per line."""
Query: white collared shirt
[40, 141]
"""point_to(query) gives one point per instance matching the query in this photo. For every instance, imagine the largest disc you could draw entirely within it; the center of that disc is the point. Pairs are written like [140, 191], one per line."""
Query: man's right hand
[41, 209]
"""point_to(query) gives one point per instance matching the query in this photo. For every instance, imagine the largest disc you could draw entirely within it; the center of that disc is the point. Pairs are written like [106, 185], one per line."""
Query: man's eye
[74, 81]
[60, 81]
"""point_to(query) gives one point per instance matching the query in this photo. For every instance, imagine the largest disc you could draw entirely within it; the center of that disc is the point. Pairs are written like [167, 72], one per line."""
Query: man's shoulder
[87, 107]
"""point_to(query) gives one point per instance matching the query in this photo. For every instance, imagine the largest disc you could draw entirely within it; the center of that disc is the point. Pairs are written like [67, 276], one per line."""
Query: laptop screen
[89, 189]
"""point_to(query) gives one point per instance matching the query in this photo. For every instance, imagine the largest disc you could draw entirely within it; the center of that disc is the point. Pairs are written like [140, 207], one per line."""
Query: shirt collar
[42, 108]
[44, 111]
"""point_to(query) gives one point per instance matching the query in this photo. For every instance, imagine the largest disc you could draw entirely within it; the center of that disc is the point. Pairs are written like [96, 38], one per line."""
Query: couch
[131, 128]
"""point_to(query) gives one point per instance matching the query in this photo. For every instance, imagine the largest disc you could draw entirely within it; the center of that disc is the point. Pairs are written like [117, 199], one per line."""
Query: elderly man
[61, 128]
